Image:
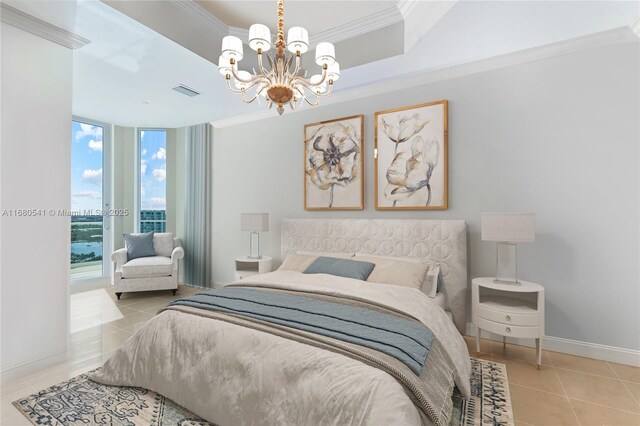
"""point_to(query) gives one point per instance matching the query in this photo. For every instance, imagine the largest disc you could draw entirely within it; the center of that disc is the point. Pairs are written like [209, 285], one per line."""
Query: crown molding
[405, 7]
[24, 21]
[635, 25]
[202, 15]
[364, 25]
[351, 29]
[400, 82]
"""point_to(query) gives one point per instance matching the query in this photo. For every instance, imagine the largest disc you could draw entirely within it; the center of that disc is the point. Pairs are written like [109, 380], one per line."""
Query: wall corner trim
[571, 347]
[33, 25]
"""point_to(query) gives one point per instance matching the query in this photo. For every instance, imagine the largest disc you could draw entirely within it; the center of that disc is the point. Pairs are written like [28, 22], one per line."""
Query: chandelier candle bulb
[280, 77]
[325, 54]
[259, 38]
[232, 48]
[298, 40]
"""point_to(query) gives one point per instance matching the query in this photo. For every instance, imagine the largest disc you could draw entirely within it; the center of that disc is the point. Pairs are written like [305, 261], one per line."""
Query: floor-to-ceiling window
[153, 179]
[89, 199]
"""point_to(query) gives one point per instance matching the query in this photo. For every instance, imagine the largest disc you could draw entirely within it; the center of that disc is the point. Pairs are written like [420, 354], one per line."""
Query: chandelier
[283, 81]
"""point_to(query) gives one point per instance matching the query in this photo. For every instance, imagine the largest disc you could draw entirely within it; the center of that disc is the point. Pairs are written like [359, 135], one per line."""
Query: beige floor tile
[626, 372]
[597, 389]
[540, 408]
[485, 345]
[144, 305]
[634, 388]
[92, 333]
[591, 414]
[526, 374]
[522, 353]
[578, 363]
[134, 319]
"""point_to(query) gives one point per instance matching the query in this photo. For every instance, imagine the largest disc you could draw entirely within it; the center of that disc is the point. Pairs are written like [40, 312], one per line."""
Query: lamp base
[255, 257]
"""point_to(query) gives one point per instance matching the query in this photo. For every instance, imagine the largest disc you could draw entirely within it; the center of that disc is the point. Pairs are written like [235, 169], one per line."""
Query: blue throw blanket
[408, 341]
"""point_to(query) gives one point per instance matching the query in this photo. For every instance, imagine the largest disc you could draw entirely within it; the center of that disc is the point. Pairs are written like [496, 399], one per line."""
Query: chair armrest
[177, 253]
[120, 257]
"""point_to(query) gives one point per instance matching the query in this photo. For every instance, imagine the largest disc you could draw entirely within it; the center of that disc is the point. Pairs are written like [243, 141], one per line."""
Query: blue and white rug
[80, 401]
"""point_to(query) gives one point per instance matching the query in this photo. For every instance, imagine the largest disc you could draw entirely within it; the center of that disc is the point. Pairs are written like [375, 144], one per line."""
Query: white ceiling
[315, 16]
[125, 75]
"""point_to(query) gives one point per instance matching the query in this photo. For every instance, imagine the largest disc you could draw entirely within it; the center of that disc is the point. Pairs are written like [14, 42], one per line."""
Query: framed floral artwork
[411, 157]
[333, 164]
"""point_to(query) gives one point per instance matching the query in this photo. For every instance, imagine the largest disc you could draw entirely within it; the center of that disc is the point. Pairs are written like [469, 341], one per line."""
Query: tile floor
[568, 390]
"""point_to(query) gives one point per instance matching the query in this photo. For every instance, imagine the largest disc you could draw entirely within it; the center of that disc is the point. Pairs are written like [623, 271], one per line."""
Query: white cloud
[143, 166]
[92, 176]
[144, 152]
[141, 134]
[86, 194]
[157, 202]
[160, 155]
[95, 145]
[160, 173]
[89, 130]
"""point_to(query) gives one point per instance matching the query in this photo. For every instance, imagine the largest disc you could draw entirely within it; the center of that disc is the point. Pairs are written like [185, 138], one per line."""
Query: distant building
[153, 220]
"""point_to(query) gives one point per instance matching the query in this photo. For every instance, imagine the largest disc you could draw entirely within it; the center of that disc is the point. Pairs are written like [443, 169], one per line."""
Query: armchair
[158, 272]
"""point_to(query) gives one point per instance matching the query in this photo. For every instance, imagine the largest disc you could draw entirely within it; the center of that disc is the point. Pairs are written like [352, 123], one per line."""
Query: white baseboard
[15, 371]
[571, 347]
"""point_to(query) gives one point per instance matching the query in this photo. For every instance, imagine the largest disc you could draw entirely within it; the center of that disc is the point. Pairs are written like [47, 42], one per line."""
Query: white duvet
[234, 375]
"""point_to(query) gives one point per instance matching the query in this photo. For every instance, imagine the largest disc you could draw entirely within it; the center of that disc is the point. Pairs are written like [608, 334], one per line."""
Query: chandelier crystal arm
[298, 79]
[235, 74]
[240, 91]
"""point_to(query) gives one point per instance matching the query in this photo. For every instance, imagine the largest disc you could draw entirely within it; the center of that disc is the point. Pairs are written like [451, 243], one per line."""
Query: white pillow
[430, 284]
[401, 271]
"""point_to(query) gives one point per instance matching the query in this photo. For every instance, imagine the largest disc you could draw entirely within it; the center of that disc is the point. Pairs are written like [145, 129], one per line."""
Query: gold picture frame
[411, 145]
[334, 164]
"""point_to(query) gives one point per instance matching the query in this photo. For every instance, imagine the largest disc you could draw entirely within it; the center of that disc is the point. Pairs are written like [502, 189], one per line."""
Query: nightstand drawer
[509, 318]
[509, 330]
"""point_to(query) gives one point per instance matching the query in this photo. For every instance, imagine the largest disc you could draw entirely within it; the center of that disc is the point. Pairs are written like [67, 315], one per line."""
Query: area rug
[80, 401]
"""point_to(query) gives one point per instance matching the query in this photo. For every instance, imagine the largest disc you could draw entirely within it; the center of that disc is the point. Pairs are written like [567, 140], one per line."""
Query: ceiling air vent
[186, 90]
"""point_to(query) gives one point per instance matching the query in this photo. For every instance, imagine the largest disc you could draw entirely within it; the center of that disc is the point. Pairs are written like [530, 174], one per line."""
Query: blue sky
[86, 168]
[153, 169]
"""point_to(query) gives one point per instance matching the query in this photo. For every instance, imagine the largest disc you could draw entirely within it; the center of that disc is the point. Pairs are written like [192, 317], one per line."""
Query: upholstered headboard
[439, 241]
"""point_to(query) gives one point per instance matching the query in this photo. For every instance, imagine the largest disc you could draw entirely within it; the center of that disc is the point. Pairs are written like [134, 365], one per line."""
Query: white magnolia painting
[411, 162]
[333, 172]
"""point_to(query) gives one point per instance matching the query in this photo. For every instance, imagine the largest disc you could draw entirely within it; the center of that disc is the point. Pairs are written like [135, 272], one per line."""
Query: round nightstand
[247, 266]
[509, 310]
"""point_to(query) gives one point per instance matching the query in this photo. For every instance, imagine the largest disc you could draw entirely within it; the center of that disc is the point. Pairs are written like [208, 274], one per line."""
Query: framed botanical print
[411, 157]
[333, 164]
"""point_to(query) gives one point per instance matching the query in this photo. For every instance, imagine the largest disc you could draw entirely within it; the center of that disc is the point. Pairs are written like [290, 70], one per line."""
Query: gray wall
[558, 137]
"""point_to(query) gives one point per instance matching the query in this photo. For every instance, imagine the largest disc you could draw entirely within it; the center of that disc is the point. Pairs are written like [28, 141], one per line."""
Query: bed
[294, 348]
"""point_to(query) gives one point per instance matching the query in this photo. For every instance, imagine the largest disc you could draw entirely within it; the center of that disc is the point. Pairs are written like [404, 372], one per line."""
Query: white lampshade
[254, 222]
[509, 227]
[259, 37]
[224, 66]
[232, 48]
[320, 88]
[325, 54]
[297, 40]
[245, 75]
[333, 71]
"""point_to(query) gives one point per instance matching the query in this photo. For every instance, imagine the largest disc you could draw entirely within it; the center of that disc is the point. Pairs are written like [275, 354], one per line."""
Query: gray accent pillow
[139, 245]
[341, 268]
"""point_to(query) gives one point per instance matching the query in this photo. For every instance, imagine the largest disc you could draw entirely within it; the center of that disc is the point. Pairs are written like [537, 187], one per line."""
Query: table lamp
[254, 223]
[508, 229]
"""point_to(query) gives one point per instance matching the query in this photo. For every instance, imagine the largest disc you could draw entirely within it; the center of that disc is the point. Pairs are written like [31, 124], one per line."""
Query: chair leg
[175, 291]
[118, 295]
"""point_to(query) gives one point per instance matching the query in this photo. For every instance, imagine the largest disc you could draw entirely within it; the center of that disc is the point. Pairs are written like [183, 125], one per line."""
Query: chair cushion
[139, 245]
[163, 243]
[147, 267]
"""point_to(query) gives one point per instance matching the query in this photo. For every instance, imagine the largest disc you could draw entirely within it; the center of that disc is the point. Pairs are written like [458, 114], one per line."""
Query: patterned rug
[80, 401]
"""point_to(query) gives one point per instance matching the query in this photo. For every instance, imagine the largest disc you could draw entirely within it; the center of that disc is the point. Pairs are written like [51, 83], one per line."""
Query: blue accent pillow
[139, 245]
[341, 267]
